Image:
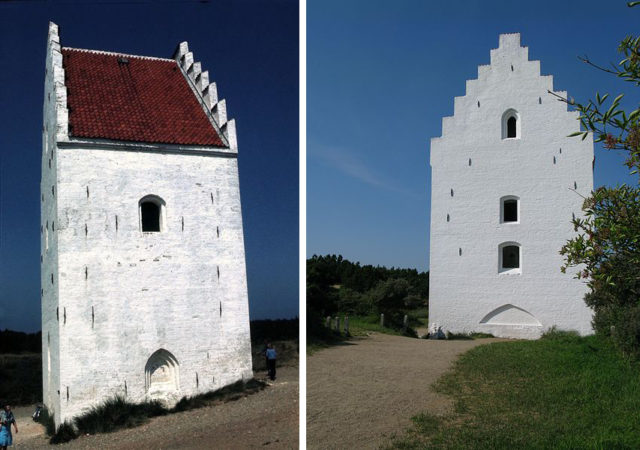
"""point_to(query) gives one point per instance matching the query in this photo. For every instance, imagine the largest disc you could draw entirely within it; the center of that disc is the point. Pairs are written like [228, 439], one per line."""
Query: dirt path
[361, 393]
[267, 419]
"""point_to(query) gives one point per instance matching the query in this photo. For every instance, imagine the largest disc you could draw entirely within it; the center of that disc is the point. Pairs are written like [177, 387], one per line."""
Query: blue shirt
[271, 353]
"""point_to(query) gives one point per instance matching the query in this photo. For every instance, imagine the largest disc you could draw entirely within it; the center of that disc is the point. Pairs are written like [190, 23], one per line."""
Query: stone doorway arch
[162, 376]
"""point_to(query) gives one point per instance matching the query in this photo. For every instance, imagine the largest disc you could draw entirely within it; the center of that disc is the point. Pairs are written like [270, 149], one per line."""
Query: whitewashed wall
[53, 128]
[149, 291]
[547, 170]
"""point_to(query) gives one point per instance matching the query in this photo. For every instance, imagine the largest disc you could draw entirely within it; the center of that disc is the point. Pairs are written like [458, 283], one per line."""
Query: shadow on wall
[510, 315]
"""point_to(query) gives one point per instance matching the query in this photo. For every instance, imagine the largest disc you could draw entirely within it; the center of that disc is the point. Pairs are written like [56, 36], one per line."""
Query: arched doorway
[162, 375]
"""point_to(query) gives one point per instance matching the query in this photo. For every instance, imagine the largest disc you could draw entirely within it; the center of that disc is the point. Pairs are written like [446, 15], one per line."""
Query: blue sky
[250, 49]
[380, 77]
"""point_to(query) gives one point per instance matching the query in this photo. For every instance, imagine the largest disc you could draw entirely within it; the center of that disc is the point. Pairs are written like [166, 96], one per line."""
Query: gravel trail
[362, 392]
[267, 419]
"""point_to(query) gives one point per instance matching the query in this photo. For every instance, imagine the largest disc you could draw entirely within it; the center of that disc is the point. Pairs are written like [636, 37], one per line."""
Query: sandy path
[267, 419]
[361, 393]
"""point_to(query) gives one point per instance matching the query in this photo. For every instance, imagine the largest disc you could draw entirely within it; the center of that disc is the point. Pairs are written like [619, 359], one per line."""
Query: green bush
[626, 330]
[606, 250]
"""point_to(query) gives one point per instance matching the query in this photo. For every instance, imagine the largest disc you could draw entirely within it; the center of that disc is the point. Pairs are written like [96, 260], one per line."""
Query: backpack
[36, 415]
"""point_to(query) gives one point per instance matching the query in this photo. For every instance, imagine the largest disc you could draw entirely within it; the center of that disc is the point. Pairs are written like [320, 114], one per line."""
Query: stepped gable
[133, 98]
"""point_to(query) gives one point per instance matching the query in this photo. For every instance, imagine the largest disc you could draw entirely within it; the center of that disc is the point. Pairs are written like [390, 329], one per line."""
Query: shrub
[116, 413]
[606, 249]
[65, 433]
[626, 330]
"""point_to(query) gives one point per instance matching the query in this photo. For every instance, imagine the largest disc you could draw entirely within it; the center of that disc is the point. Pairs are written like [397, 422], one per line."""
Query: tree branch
[561, 98]
[585, 59]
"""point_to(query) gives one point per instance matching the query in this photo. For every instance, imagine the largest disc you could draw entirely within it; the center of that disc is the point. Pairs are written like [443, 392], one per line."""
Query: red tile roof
[142, 100]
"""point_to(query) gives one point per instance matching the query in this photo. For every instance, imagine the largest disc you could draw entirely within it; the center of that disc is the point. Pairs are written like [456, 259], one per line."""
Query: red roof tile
[144, 100]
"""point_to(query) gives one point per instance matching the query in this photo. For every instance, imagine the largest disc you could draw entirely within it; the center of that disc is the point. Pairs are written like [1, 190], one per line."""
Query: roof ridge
[103, 52]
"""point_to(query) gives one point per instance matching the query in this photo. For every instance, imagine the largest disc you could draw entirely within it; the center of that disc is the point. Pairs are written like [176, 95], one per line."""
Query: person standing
[271, 361]
[6, 420]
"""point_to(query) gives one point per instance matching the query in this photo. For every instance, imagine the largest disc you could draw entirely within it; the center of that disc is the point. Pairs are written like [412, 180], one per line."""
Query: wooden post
[346, 325]
[382, 319]
[338, 324]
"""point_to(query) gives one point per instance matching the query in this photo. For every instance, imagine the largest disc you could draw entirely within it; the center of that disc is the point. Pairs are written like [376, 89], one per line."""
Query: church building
[506, 182]
[144, 291]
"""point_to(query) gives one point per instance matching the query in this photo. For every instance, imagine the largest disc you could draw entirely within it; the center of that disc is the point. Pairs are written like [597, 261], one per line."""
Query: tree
[607, 247]
[388, 297]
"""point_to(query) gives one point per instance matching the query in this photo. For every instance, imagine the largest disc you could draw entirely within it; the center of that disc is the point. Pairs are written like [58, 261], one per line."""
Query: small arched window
[511, 127]
[510, 124]
[151, 214]
[510, 258]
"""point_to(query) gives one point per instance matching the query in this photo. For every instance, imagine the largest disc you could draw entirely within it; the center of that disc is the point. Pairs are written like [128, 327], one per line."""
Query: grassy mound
[562, 391]
[117, 413]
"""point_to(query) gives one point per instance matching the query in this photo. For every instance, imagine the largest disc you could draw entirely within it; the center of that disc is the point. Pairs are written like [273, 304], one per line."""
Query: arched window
[511, 127]
[510, 124]
[509, 209]
[510, 258]
[151, 214]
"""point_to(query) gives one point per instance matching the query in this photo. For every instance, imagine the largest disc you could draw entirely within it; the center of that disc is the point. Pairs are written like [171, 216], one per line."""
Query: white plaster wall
[148, 290]
[465, 284]
[53, 97]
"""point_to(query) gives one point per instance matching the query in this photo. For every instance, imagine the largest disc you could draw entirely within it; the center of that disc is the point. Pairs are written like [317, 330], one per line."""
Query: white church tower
[144, 290]
[506, 181]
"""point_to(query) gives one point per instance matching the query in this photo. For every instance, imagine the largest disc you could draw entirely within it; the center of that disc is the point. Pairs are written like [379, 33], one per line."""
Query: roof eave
[153, 147]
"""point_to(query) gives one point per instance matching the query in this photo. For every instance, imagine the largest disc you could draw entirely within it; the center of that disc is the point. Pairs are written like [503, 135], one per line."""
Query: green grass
[359, 326]
[562, 391]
